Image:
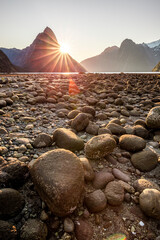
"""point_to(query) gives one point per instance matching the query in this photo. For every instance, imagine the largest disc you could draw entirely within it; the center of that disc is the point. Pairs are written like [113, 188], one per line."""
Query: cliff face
[44, 55]
[5, 65]
[130, 57]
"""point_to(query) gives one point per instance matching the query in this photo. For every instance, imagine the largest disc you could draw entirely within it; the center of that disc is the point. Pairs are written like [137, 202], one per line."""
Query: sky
[86, 26]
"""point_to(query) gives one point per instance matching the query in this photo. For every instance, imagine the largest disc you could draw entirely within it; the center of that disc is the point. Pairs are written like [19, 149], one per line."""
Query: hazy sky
[87, 26]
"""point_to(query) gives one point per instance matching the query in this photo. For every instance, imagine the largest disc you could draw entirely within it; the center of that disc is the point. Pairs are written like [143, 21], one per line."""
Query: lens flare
[117, 236]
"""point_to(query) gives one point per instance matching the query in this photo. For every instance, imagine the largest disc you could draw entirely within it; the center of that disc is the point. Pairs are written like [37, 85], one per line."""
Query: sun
[64, 48]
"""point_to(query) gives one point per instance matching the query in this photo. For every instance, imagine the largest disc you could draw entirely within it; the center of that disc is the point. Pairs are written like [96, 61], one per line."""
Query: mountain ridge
[129, 57]
[43, 55]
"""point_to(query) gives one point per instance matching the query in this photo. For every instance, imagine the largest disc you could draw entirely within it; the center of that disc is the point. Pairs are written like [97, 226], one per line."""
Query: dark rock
[88, 109]
[34, 229]
[59, 179]
[132, 143]
[92, 128]
[11, 203]
[17, 173]
[141, 131]
[2, 103]
[80, 122]
[7, 231]
[153, 118]
[42, 140]
[116, 129]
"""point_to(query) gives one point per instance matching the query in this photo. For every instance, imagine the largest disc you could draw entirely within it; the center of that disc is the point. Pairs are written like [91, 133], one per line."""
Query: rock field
[80, 156]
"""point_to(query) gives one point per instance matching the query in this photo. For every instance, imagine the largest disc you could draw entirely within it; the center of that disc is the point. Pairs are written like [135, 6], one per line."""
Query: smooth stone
[11, 203]
[145, 160]
[116, 129]
[99, 146]
[114, 193]
[64, 138]
[132, 143]
[153, 118]
[42, 140]
[120, 175]
[58, 176]
[95, 201]
[141, 131]
[83, 230]
[102, 178]
[80, 122]
[149, 201]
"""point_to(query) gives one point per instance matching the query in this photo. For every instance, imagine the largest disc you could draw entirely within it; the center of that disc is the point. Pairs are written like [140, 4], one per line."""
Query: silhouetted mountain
[156, 68]
[130, 57]
[5, 65]
[43, 55]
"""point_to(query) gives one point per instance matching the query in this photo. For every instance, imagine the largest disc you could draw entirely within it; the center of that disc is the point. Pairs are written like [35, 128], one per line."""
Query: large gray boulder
[153, 118]
[64, 138]
[58, 176]
[99, 146]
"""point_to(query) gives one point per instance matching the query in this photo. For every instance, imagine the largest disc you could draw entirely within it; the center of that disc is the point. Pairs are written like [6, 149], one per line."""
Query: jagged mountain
[153, 44]
[43, 55]
[5, 65]
[156, 68]
[130, 57]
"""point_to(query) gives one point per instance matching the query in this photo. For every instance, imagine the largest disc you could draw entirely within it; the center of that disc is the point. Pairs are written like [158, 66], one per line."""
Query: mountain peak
[48, 30]
[127, 42]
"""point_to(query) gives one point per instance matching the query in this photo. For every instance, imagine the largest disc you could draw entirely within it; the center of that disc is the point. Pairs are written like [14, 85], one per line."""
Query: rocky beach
[80, 156]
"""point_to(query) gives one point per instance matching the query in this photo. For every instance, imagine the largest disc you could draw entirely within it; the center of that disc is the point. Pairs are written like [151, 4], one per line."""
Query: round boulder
[96, 201]
[59, 179]
[149, 201]
[64, 138]
[11, 203]
[99, 146]
[145, 160]
[116, 129]
[132, 143]
[80, 122]
[114, 193]
[153, 118]
[42, 140]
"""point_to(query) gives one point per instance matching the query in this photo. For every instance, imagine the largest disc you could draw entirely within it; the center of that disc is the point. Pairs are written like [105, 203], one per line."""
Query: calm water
[68, 73]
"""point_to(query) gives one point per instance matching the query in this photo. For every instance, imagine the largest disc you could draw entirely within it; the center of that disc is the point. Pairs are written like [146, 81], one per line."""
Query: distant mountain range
[43, 55]
[5, 65]
[130, 57]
